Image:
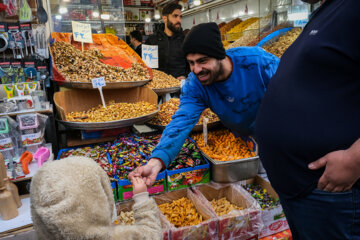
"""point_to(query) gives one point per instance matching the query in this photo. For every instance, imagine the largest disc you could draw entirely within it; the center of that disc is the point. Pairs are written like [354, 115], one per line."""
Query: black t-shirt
[312, 105]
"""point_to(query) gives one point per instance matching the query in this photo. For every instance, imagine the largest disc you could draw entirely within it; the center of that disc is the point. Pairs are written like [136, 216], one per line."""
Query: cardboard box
[127, 207]
[125, 190]
[84, 99]
[274, 219]
[206, 230]
[183, 178]
[238, 224]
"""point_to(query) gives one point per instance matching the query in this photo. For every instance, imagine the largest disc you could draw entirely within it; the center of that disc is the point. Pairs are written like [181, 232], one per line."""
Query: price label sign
[150, 55]
[82, 32]
[99, 83]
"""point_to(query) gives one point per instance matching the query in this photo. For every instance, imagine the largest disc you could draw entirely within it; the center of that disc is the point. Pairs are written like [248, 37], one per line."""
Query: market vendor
[231, 83]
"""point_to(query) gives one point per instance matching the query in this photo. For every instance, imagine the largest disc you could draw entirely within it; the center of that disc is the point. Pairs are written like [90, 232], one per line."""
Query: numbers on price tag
[98, 82]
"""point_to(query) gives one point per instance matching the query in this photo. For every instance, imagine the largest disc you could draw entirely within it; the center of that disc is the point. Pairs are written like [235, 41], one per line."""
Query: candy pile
[222, 206]
[168, 109]
[130, 151]
[262, 196]
[223, 146]
[98, 153]
[189, 156]
[181, 212]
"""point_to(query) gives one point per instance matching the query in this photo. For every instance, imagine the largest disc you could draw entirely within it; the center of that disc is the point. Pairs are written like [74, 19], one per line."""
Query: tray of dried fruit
[82, 108]
[168, 109]
[163, 83]
[107, 57]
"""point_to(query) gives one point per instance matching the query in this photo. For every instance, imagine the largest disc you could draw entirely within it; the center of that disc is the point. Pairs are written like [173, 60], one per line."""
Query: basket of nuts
[168, 109]
[75, 68]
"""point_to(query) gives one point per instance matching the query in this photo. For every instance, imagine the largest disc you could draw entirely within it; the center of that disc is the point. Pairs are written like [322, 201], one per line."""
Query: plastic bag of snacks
[239, 215]
[190, 217]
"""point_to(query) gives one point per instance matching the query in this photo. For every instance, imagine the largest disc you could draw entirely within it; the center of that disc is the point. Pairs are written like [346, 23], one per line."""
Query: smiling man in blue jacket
[230, 83]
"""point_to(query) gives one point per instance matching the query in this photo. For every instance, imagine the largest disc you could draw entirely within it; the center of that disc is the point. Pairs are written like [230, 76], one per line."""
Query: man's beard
[214, 75]
[172, 27]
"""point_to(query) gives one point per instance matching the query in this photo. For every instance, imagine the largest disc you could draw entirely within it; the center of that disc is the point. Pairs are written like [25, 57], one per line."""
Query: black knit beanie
[205, 39]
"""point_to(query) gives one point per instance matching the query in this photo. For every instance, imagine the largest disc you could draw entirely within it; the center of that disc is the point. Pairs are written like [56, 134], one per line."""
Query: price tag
[82, 32]
[205, 129]
[99, 83]
[150, 55]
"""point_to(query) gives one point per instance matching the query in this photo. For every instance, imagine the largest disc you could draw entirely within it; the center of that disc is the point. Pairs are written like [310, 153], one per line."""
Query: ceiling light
[95, 14]
[197, 2]
[157, 14]
[63, 10]
[58, 17]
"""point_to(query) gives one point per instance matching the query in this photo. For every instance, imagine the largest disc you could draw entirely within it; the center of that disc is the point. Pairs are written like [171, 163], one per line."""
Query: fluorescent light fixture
[105, 16]
[297, 16]
[63, 10]
[157, 14]
[251, 12]
[95, 14]
[197, 2]
[58, 17]
[147, 19]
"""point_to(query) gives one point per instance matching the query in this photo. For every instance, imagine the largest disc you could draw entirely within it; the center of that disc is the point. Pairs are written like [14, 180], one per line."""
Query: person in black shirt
[136, 40]
[171, 57]
[308, 126]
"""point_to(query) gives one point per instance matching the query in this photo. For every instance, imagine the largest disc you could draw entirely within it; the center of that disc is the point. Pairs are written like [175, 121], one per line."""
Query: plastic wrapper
[127, 207]
[237, 224]
[206, 230]
[8, 135]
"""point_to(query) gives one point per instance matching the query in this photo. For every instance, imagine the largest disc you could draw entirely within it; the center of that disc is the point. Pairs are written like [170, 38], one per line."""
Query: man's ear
[164, 18]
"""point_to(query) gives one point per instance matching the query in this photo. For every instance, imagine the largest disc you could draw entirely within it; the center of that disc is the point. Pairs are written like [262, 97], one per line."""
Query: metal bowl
[109, 124]
[162, 91]
[109, 85]
[233, 171]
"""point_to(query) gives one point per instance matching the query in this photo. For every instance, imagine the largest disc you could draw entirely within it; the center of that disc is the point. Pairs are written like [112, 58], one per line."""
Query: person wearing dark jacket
[171, 57]
[136, 40]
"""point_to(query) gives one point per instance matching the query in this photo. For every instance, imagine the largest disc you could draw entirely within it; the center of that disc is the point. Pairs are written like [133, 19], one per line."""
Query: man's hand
[342, 169]
[139, 185]
[148, 172]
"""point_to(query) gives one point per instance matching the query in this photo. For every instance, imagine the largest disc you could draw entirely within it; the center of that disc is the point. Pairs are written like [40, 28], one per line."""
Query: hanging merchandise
[11, 8]
[41, 13]
[28, 40]
[16, 42]
[31, 74]
[9, 90]
[20, 89]
[5, 72]
[25, 14]
[4, 43]
[39, 34]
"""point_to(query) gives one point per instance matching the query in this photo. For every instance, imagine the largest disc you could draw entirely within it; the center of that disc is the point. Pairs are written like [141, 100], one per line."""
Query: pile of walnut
[125, 218]
[168, 109]
[112, 112]
[222, 206]
[162, 80]
[279, 47]
[78, 66]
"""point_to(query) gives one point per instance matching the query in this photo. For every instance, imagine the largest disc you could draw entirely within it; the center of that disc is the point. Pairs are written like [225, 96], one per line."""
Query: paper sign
[150, 55]
[205, 130]
[300, 23]
[99, 83]
[81, 32]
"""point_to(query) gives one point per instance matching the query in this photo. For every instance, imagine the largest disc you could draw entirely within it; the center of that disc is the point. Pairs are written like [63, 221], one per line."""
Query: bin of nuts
[189, 216]
[238, 213]
[163, 83]
[168, 109]
[283, 42]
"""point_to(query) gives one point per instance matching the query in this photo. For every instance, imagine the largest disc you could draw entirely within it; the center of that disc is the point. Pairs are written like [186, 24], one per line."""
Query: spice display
[112, 112]
[82, 66]
[224, 29]
[263, 35]
[247, 37]
[243, 25]
[189, 156]
[163, 80]
[181, 212]
[279, 47]
[168, 109]
[222, 206]
[223, 146]
[130, 151]
[125, 218]
[97, 153]
[262, 196]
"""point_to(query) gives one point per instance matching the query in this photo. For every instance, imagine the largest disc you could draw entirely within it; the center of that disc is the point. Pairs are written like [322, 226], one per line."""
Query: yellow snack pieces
[222, 206]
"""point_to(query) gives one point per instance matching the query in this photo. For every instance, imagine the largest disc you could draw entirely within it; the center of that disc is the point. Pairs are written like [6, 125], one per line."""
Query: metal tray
[233, 171]
[197, 128]
[109, 124]
[115, 85]
[161, 91]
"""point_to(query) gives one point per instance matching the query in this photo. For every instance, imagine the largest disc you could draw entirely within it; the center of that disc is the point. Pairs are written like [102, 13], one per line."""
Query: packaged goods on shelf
[162, 80]
[279, 47]
[272, 214]
[8, 134]
[222, 145]
[243, 221]
[168, 109]
[192, 217]
[188, 168]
